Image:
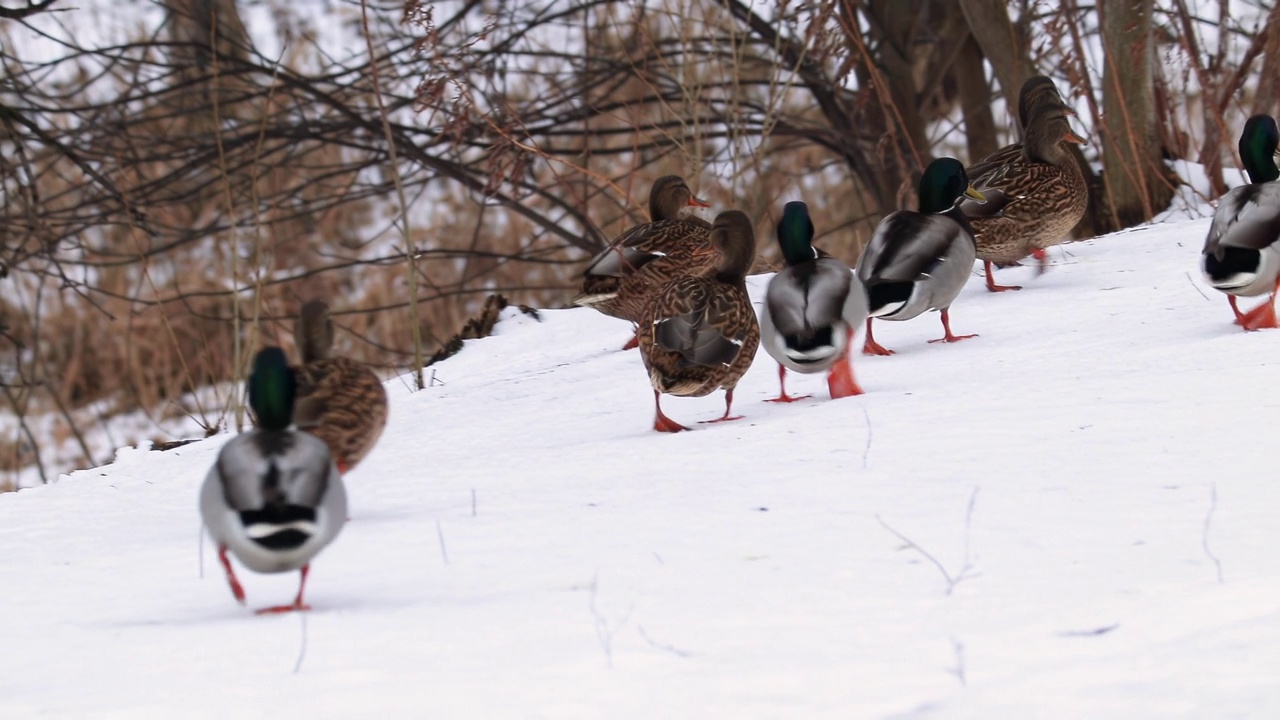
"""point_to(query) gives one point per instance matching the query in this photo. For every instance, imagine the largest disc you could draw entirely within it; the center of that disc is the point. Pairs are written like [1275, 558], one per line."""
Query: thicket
[171, 196]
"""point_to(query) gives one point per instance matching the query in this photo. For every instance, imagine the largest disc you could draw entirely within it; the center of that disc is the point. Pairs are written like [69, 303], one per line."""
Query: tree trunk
[1137, 183]
[1004, 46]
[975, 101]
[1269, 81]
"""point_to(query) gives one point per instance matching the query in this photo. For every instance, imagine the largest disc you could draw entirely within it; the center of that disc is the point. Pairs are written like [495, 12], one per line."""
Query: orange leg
[1043, 257]
[297, 605]
[236, 589]
[1236, 309]
[728, 403]
[871, 347]
[342, 464]
[946, 326]
[633, 343]
[783, 397]
[1261, 317]
[661, 422]
[840, 380]
[991, 281]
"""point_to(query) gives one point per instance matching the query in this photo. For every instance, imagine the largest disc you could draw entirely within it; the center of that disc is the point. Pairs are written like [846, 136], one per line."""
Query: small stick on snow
[302, 649]
[958, 670]
[1193, 284]
[965, 568]
[661, 646]
[866, 450]
[1204, 534]
[604, 632]
[444, 553]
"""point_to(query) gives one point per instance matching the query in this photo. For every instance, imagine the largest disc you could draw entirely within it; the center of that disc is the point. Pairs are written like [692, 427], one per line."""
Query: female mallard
[918, 261]
[622, 280]
[1241, 255]
[1032, 201]
[700, 333]
[273, 498]
[340, 401]
[1037, 93]
[812, 308]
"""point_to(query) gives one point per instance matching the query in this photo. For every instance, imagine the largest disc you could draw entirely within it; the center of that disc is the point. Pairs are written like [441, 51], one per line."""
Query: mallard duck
[700, 332]
[812, 308]
[1241, 254]
[622, 280]
[274, 497]
[1037, 92]
[1033, 201]
[918, 261]
[340, 401]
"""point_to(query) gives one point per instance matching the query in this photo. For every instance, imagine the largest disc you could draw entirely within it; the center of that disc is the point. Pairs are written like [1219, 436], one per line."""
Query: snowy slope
[522, 545]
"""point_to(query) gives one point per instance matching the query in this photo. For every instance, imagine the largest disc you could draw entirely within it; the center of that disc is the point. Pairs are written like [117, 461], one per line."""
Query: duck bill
[971, 193]
[698, 202]
[1071, 137]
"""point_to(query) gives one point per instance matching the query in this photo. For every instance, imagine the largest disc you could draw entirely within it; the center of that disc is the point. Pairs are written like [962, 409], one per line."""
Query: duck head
[943, 184]
[795, 234]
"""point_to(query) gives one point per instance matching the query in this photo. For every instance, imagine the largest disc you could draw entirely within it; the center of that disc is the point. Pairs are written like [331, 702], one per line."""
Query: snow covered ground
[1092, 479]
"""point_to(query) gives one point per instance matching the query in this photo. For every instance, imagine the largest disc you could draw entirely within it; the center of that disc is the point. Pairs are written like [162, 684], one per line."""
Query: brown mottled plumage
[340, 401]
[700, 333]
[622, 280]
[1031, 202]
[1037, 92]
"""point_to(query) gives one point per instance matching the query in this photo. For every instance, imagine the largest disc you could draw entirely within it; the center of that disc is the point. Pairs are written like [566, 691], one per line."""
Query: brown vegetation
[171, 200]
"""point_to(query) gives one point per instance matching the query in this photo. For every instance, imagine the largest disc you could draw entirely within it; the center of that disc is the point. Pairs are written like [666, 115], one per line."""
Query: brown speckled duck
[340, 401]
[1032, 202]
[700, 333]
[1037, 92]
[622, 280]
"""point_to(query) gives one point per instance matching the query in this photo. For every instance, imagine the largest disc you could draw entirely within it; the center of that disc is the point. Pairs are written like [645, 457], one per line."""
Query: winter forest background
[179, 176]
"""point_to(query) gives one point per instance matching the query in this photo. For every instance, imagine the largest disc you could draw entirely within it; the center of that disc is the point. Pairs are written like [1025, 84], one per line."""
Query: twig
[958, 670]
[966, 566]
[1204, 534]
[662, 646]
[444, 553]
[302, 649]
[866, 450]
[604, 632]
[1193, 284]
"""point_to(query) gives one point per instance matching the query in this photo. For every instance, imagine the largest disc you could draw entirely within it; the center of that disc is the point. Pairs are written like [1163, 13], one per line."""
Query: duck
[1241, 255]
[700, 333]
[340, 401]
[812, 308]
[1033, 200]
[274, 497]
[920, 260]
[1037, 92]
[622, 280]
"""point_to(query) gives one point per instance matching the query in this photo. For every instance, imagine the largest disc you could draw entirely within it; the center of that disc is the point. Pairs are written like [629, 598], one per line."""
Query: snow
[1094, 473]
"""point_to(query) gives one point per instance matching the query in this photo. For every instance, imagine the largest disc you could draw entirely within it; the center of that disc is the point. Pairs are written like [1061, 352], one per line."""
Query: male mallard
[1242, 252]
[273, 498]
[1033, 201]
[701, 333]
[1037, 92]
[812, 308]
[622, 280]
[340, 401]
[918, 261]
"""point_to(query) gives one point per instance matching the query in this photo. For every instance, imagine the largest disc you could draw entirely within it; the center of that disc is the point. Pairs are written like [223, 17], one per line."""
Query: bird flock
[275, 496]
